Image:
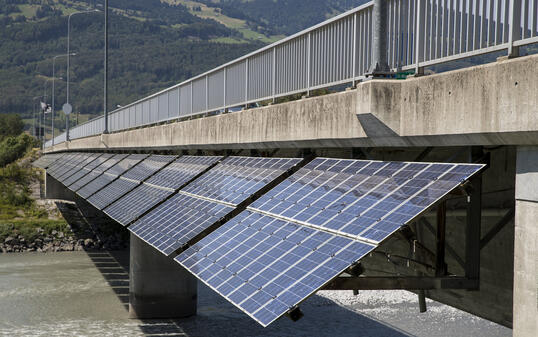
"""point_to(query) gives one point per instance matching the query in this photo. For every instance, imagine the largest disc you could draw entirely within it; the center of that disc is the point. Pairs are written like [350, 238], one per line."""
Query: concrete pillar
[158, 286]
[56, 190]
[526, 243]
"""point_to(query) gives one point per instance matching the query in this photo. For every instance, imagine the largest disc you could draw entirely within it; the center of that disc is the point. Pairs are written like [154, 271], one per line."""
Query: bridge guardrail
[419, 33]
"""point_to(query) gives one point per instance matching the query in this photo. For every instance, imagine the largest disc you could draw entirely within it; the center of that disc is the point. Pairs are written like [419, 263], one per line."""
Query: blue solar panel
[266, 266]
[112, 192]
[148, 167]
[362, 199]
[46, 160]
[178, 220]
[86, 170]
[237, 178]
[126, 164]
[181, 171]
[136, 203]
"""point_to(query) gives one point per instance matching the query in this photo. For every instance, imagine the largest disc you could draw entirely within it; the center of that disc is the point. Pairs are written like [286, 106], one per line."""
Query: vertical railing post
[274, 74]
[380, 65]
[206, 92]
[192, 103]
[224, 86]
[515, 27]
[309, 63]
[354, 61]
[246, 83]
[419, 37]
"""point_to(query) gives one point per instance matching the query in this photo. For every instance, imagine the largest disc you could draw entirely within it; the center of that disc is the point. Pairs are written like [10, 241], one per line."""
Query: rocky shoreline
[102, 234]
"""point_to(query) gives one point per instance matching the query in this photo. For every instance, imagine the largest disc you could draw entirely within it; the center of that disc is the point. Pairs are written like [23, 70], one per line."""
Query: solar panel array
[158, 187]
[128, 181]
[207, 200]
[307, 230]
[285, 245]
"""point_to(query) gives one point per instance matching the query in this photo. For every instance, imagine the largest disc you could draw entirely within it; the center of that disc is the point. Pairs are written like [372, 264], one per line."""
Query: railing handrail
[418, 33]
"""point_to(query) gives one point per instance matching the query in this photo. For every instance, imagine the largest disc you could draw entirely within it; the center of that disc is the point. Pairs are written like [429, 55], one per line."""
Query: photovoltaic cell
[181, 171]
[266, 266]
[95, 185]
[237, 178]
[126, 164]
[60, 164]
[136, 203]
[112, 192]
[86, 170]
[362, 199]
[148, 167]
[177, 221]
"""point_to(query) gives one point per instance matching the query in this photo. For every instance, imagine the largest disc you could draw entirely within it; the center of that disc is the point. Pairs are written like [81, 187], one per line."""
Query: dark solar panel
[362, 199]
[76, 168]
[61, 163]
[86, 170]
[46, 160]
[181, 171]
[177, 221]
[148, 167]
[96, 171]
[266, 266]
[112, 192]
[68, 165]
[136, 203]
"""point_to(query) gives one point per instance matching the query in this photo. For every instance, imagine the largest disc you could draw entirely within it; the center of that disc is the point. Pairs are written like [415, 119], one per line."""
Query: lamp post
[53, 92]
[69, 63]
[106, 69]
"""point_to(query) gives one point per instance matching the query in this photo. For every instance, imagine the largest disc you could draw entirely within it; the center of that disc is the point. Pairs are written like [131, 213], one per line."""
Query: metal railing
[419, 33]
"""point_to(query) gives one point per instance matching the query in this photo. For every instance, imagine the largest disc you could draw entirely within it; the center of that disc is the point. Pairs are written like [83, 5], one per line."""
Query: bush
[10, 125]
[13, 148]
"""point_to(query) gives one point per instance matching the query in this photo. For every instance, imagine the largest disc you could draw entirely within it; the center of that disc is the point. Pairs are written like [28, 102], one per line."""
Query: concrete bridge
[487, 113]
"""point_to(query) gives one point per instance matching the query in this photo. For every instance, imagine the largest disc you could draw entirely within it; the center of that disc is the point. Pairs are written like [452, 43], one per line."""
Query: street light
[53, 87]
[69, 63]
[105, 131]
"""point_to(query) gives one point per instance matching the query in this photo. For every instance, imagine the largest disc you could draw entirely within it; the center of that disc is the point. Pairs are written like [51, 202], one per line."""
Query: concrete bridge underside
[493, 106]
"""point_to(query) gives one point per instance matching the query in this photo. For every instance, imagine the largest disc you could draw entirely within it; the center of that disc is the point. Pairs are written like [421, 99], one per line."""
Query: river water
[86, 294]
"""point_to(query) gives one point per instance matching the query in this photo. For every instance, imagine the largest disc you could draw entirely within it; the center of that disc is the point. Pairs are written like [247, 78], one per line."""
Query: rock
[88, 242]
[69, 248]
[47, 239]
[8, 240]
[54, 232]
[39, 230]
[61, 235]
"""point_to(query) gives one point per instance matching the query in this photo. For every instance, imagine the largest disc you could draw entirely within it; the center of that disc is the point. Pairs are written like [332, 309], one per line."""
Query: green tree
[10, 125]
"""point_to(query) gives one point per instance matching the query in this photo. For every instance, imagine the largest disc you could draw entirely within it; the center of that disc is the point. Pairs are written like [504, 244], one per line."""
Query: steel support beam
[474, 217]
[404, 282]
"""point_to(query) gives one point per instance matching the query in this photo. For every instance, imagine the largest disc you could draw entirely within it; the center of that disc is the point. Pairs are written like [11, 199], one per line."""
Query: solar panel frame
[266, 266]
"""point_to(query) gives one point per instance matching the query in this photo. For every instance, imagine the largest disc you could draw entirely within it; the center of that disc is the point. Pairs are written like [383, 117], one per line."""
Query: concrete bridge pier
[526, 243]
[56, 190]
[158, 286]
